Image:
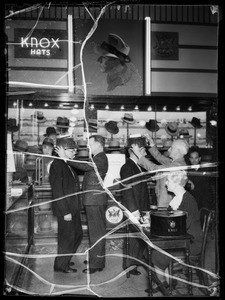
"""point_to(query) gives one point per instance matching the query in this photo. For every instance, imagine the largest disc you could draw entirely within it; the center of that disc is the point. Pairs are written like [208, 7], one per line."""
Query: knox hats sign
[41, 43]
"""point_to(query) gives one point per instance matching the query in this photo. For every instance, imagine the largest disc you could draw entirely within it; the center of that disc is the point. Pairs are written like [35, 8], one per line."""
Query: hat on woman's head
[152, 125]
[112, 127]
[128, 118]
[172, 128]
[11, 125]
[48, 141]
[38, 116]
[20, 146]
[195, 122]
[115, 47]
[50, 131]
[62, 122]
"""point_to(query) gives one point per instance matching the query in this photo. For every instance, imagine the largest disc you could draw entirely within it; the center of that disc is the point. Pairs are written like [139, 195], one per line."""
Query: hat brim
[19, 149]
[13, 128]
[184, 136]
[127, 121]
[62, 126]
[152, 129]
[195, 125]
[102, 52]
[50, 134]
[172, 133]
[37, 120]
[114, 148]
[111, 130]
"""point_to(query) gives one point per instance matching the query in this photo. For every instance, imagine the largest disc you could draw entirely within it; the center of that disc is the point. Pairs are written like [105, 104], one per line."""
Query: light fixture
[147, 55]
[164, 108]
[70, 54]
[46, 105]
[178, 108]
[149, 108]
[60, 105]
[136, 107]
[122, 107]
[190, 108]
[76, 106]
[30, 104]
[213, 122]
[14, 104]
[107, 107]
[92, 106]
[198, 135]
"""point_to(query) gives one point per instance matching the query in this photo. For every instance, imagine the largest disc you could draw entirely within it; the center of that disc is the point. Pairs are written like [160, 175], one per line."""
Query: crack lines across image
[27, 261]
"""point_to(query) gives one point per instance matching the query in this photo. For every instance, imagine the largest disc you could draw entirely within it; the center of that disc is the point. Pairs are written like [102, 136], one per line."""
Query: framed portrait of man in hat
[112, 60]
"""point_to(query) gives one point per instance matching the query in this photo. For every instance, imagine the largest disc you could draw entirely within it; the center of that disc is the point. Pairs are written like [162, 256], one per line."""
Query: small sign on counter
[16, 192]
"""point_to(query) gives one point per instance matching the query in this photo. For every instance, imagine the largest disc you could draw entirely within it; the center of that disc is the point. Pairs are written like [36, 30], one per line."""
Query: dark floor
[40, 279]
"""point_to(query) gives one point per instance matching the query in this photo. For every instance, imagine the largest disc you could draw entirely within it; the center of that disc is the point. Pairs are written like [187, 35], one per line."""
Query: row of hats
[111, 126]
[61, 122]
[22, 146]
[83, 151]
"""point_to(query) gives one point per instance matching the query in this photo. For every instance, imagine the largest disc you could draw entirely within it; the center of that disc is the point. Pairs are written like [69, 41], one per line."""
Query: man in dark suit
[95, 203]
[135, 199]
[65, 184]
[201, 183]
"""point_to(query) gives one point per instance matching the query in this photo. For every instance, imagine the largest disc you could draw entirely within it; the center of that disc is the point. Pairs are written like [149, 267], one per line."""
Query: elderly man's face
[174, 151]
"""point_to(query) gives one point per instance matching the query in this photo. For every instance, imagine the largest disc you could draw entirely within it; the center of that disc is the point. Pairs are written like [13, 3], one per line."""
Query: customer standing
[178, 149]
[65, 184]
[136, 200]
[95, 202]
[201, 185]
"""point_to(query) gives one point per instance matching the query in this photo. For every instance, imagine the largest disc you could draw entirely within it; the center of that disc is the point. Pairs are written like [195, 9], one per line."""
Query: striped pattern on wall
[188, 14]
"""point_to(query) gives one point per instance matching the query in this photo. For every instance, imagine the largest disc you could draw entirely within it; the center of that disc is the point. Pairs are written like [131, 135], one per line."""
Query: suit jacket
[91, 180]
[64, 181]
[163, 197]
[189, 205]
[204, 187]
[137, 197]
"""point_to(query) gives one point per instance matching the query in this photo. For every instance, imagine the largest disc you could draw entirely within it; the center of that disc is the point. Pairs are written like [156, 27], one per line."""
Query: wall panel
[169, 82]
